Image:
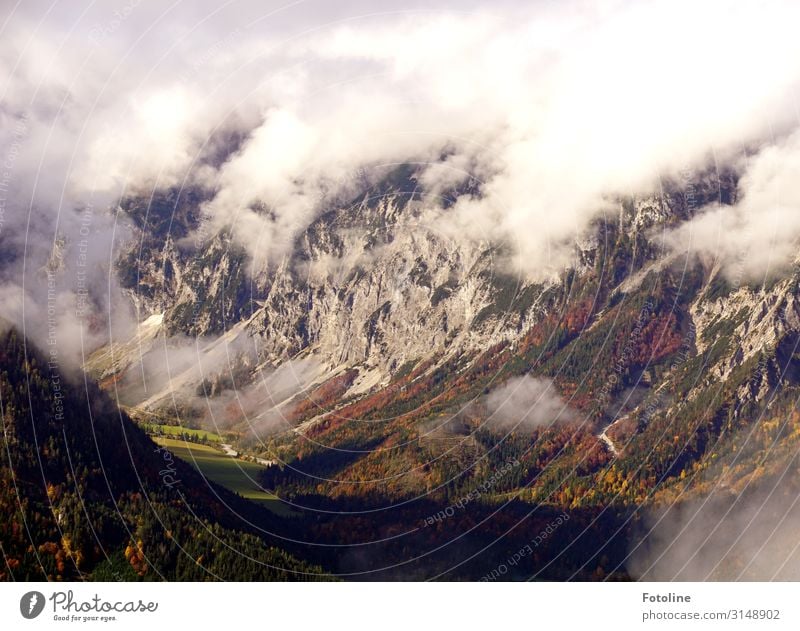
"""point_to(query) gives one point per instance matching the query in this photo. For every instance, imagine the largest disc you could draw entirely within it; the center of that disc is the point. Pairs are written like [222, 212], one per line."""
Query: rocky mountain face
[371, 285]
[665, 363]
[375, 284]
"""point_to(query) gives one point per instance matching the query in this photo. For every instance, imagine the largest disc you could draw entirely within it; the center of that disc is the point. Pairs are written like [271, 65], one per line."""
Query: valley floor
[235, 474]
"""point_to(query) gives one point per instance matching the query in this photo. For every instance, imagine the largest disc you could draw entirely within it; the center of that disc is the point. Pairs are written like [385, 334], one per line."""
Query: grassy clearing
[175, 430]
[240, 476]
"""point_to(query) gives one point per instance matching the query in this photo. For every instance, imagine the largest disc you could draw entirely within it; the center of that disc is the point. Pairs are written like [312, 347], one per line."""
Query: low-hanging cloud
[526, 403]
[555, 109]
[726, 536]
[758, 236]
[215, 382]
[260, 406]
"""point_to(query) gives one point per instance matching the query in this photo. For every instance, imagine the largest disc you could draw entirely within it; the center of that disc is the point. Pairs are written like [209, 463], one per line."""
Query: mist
[756, 238]
[216, 383]
[726, 536]
[526, 403]
[556, 106]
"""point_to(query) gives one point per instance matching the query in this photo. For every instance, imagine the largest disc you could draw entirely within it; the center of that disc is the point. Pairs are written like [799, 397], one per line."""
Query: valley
[237, 475]
[507, 291]
[594, 385]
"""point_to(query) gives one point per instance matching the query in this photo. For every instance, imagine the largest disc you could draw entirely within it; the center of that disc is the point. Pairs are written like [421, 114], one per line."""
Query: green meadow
[239, 476]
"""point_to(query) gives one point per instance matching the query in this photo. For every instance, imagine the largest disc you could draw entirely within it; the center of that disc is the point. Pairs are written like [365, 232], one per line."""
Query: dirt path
[229, 450]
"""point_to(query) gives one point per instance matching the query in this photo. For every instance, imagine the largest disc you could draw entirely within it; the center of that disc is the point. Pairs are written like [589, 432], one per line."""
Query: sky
[556, 108]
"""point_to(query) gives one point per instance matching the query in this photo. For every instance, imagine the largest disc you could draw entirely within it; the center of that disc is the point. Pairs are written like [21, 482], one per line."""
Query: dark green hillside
[84, 493]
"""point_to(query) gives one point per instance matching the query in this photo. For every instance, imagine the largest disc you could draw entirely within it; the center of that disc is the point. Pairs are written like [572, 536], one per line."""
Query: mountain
[416, 358]
[87, 495]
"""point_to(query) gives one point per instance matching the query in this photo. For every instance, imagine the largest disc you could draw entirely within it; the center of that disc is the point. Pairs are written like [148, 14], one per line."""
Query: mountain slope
[663, 363]
[89, 495]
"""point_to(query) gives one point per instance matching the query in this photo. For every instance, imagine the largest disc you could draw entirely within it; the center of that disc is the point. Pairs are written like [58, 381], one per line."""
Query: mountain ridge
[398, 349]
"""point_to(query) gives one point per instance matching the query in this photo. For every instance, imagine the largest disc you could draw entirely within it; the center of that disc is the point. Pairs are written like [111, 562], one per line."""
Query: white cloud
[759, 235]
[747, 535]
[524, 403]
[555, 108]
[553, 126]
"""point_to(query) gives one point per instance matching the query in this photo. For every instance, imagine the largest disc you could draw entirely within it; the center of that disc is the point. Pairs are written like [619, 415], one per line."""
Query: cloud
[725, 536]
[215, 382]
[758, 236]
[525, 403]
[556, 109]
[59, 291]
